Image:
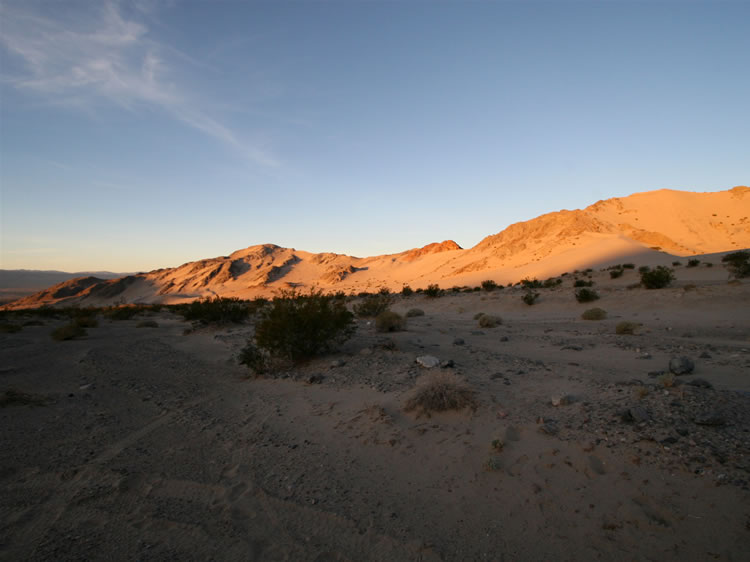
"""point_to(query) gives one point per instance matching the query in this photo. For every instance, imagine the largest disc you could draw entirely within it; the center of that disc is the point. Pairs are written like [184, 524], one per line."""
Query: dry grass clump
[627, 328]
[530, 297]
[594, 314]
[373, 305]
[86, 321]
[441, 392]
[586, 295]
[489, 321]
[68, 332]
[147, 324]
[667, 380]
[390, 321]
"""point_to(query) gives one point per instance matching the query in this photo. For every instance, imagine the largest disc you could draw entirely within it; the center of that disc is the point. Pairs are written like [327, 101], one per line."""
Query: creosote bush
[253, 358]
[530, 297]
[433, 291]
[657, 278]
[489, 285]
[582, 283]
[147, 324]
[626, 328]
[586, 295]
[68, 332]
[594, 314]
[531, 283]
[414, 312]
[300, 327]
[372, 305]
[738, 263]
[218, 310]
[407, 291]
[615, 273]
[390, 321]
[441, 392]
[693, 263]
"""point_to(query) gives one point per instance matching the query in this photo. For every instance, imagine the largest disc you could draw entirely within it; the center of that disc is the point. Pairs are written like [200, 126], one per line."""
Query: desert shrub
[738, 263]
[9, 328]
[302, 326]
[489, 321]
[531, 283]
[121, 312]
[628, 266]
[68, 332]
[390, 321]
[586, 295]
[676, 263]
[384, 291]
[489, 285]
[626, 328]
[657, 278]
[582, 283]
[372, 305]
[530, 297]
[552, 282]
[414, 312]
[407, 291]
[644, 269]
[709, 264]
[441, 392]
[433, 291]
[254, 358]
[33, 323]
[667, 380]
[615, 273]
[594, 314]
[147, 324]
[693, 263]
[86, 321]
[689, 287]
[217, 310]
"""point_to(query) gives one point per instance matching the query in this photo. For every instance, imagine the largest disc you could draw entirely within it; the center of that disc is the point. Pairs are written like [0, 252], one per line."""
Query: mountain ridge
[652, 225]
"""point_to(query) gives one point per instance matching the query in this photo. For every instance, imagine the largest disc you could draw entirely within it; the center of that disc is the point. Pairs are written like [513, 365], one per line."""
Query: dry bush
[594, 314]
[390, 321]
[667, 380]
[68, 332]
[586, 295]
[441, 392]
[414, 312]
[147, 324]
[86, 321]
[373, 305]
[530, 297]
[627, 328]
[657, 278]
[489, 321]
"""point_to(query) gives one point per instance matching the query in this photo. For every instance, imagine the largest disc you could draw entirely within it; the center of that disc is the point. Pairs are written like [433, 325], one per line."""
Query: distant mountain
[36, 279]
[643, 228]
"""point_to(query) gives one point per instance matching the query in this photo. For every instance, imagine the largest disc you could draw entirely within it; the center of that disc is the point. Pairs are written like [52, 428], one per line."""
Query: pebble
[458, 341]
[549, 428]
[428, 361]
[700, 383]
[681, 365]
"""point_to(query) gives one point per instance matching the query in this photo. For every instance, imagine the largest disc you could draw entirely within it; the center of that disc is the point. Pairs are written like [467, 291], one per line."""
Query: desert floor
[153, 444]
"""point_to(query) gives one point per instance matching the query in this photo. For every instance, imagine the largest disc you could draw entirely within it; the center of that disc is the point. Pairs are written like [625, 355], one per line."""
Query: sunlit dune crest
[644, 228]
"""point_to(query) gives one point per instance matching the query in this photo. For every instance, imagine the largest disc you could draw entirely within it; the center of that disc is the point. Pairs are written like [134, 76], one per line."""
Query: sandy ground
[152, 444]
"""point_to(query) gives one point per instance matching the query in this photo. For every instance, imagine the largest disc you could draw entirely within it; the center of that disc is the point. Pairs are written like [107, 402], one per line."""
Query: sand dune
[645, 227]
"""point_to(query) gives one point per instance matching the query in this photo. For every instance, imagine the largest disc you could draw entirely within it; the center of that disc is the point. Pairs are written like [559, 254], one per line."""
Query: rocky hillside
[644, 226]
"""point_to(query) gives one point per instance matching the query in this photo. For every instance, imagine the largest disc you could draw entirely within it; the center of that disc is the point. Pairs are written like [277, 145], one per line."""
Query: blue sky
[144, 134]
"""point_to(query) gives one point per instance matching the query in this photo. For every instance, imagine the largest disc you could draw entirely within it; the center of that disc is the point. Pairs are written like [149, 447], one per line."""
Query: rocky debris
[705, 355]
[504, 338]
[636, 414]
[447, 364]
[700, 383]
[681, 365]
[337, 363]
[563, 400]
[477, 333]
[572, 347]
[428, 361]
[315, 379]
[458, 341]
[711, 418]
[549, 427]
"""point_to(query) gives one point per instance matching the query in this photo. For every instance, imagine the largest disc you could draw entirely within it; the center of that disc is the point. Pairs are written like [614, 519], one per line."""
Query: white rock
[428, 361]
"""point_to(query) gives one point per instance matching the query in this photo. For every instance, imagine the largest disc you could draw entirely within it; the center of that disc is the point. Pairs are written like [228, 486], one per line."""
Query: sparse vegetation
[594, 314]
[738, 263]
[302, 326]
[121, 312]
[644, 269]
[582, 283]
[414, 312]
[389, 321]
[489, 285]
[9, 328]
[254, 358]
[530, 297]
[676, 263]
[433, 291]
[68, 332]
[147, 324]
[441, 392]
[531, 283]
[693, 263]
[586, 295]
[552, 282]
[373, 305]
[657, 278]
[86, 321]
[640, 392]
[628, 266]
[626, 328]
[489, 321]
[217, 310]
[407, 291]
[667, 380]
[615, 273]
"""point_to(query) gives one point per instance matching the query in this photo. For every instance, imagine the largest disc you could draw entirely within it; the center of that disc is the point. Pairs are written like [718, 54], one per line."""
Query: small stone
[700, 383]
[713, 418]
[428, 361]
[655, 374]
[315, 379]
[458, 341]
[337, 363]
[549, 428]
[705, 355]
[447, 364]
[681, 431]
[681, 365]
[635, 414]
[495, 376]
[504, 338]
[477, 333]
[671, 440]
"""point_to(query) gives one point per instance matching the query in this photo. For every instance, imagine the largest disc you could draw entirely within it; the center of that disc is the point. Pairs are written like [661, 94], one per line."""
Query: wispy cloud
[100, 55]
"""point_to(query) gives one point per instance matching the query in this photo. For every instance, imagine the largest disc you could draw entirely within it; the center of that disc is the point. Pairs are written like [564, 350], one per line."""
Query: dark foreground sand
[154, 445]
